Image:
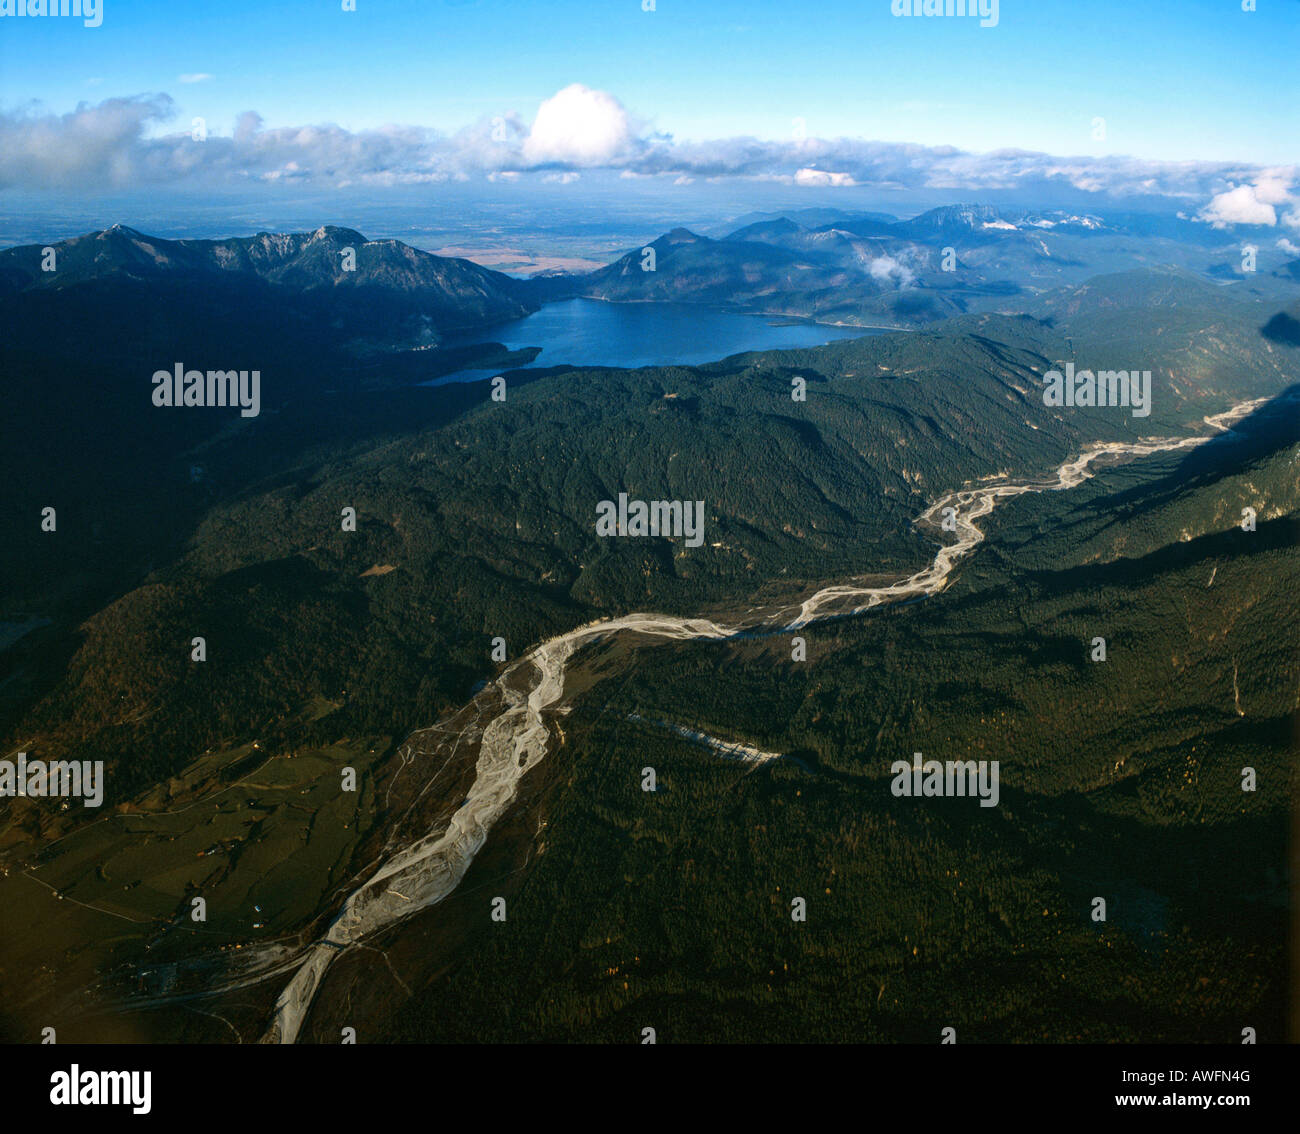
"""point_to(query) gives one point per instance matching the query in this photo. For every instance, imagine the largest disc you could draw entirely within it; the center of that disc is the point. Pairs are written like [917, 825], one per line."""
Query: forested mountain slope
[1120, 779]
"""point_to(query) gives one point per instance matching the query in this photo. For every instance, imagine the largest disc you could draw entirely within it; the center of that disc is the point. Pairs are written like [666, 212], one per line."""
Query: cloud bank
[120, 143]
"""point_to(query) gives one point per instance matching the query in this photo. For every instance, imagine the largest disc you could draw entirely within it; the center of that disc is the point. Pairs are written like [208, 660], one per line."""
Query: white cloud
[1273, 188]
[886, 268]
[1289, 247]
[580, 126]
[1257, 203]
[561, 178]
[194, 77]
[90, 146]
[822, 177]
[1238, 206]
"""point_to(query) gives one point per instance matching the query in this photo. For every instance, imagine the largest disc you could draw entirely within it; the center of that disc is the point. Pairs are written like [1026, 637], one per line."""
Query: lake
[589, 332]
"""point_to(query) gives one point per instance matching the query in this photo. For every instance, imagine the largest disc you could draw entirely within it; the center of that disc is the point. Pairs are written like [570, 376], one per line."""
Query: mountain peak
[336, 232]
[781, 226]
[968, 215]
[122, 230]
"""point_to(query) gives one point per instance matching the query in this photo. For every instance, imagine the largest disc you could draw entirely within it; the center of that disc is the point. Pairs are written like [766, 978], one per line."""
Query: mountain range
[869, 269]
[334, 278]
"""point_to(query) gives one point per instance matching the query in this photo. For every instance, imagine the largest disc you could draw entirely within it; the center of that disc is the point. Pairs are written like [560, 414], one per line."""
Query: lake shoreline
[585, 331]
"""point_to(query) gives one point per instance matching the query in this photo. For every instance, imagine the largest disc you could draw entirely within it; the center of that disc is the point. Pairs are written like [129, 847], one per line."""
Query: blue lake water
[589, 332]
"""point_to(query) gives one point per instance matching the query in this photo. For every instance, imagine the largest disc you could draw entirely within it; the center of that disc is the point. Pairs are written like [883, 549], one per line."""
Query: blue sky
[1199, 79]
[1193, 102]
